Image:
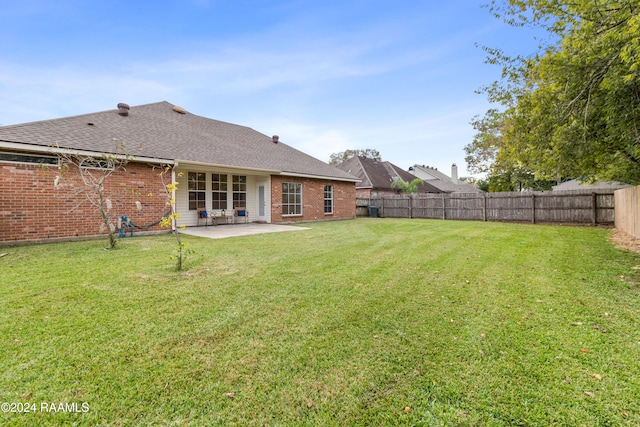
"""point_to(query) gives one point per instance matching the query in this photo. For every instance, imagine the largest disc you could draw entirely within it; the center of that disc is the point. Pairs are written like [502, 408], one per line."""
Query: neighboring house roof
[378, 175]
[441, 181]
[575, 184]
[163, 131]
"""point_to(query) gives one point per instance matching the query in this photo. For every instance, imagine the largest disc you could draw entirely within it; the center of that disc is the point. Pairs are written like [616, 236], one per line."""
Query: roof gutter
[332, 178]
[19, 146]
[185, 163]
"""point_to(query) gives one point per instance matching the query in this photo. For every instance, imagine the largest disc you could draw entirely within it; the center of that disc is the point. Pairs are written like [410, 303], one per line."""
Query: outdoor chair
[242, 215]
[203, 215]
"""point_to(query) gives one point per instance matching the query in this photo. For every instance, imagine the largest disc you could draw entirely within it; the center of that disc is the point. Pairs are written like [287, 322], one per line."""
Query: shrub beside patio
[366, 322]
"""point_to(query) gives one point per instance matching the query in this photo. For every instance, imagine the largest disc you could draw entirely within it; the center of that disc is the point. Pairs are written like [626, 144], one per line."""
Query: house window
[197, 186]
[26, 158]
[291, 198]
[219, 191]
[239, 191]
[328, 199]
[93, 163]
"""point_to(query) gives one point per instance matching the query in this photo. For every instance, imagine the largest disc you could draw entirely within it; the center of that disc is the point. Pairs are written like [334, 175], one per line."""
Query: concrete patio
[233, 230]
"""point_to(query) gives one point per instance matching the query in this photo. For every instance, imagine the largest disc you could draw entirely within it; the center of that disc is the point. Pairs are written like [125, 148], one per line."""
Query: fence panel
[571, 207]
[428, 206]
[627, 216]
[462, 206]
[509, 207]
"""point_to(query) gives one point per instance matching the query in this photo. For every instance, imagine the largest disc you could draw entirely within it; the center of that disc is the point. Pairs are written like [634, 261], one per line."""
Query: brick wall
[32, 209]
[344, 199]
[368, 192]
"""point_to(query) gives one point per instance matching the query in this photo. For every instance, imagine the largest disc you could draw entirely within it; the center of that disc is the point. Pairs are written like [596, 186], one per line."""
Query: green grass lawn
[367, 322]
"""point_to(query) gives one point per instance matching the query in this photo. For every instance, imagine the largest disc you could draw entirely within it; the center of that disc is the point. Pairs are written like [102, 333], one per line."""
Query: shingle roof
[379, 174]
[158, 131]
[576, 184]
[443, 182]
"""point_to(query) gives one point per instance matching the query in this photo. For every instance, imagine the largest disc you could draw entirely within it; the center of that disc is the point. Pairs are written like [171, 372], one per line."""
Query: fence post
[444, 208]
[410, 206]
[533, 208]
[484, 207]
[594, 208]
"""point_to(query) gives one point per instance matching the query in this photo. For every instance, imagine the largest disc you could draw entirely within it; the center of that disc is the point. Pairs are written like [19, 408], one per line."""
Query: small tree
[406, 187]
[171, 220]
[94, 172]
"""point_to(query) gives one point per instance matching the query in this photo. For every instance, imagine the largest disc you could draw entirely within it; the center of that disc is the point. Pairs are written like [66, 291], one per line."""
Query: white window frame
[239, 191]
[328, 199]
[97, 163]
[196, 190]
[217, 191]
[287, 205]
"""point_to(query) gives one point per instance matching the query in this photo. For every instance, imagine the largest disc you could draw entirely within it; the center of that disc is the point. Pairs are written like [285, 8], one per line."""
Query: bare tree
[370, 153]
[91, 188]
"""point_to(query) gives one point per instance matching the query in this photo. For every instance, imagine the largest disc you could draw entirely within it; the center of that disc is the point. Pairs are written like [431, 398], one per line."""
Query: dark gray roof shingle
[378, 175]
[158, 131]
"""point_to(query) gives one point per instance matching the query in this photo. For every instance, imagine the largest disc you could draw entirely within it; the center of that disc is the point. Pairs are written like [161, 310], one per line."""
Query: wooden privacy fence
[567, 207]
[627, 215]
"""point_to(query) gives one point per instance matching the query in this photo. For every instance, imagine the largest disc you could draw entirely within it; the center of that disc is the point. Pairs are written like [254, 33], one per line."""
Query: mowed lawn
[369, 322]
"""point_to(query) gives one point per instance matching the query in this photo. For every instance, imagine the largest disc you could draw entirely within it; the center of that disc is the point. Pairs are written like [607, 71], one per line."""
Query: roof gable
[442, 181]
[379, 175]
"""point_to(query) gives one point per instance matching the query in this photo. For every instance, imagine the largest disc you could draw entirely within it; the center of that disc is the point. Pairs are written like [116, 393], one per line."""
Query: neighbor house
[376, 177]
[576, 184]
[440, 180]
[217, 166]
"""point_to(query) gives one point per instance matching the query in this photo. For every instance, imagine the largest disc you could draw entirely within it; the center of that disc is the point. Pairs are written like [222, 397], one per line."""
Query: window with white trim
[239, 183]
[93, 163]
[197, 190]
[219, 190]
[328, 199]
[291, 198]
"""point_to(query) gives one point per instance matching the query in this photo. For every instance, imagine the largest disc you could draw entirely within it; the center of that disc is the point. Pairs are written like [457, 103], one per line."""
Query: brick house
[217, 166]
[376, 177]
[444, 183]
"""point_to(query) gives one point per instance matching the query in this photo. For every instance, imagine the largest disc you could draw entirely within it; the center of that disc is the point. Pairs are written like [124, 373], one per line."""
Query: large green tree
[572, 109]
[488, 154]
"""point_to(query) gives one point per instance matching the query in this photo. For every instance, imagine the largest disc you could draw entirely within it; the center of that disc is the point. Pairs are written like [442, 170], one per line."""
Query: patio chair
[242, 215]
[203, 215]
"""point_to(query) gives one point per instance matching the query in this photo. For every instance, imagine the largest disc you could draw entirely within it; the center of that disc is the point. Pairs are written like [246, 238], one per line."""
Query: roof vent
[179, 110]
[275, 138]
[123, 109]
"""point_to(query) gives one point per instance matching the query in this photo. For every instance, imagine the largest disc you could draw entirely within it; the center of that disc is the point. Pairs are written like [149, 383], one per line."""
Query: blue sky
[397, 76]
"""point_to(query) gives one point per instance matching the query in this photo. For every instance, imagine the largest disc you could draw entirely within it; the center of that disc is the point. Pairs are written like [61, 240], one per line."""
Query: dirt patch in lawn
[625, 241]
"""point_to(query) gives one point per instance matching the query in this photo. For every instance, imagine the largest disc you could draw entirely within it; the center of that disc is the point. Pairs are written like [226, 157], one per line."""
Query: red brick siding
[31, 209]
[363, 192]
[367, 192]
[344, 199]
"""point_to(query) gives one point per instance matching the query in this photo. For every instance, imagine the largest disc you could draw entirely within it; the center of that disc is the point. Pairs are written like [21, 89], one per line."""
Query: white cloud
[44, 93]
